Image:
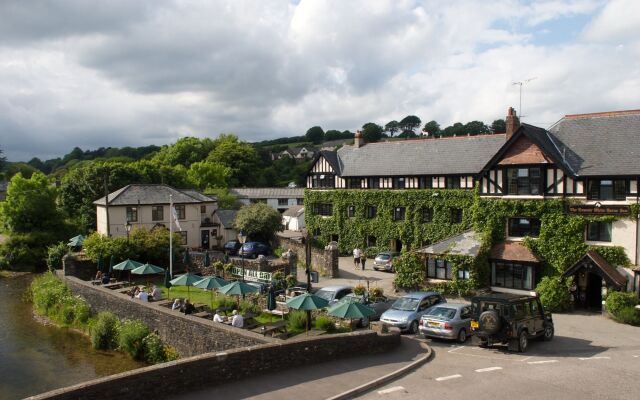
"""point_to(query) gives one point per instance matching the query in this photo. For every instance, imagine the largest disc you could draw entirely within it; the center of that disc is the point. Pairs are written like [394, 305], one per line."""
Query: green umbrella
[76, 241]
[127, 265]
[111, 260]
[147, 269]
[271, 302]
[307, 302]
[238, 288]
[207, 260]
[351, 310]
[187, 280]
[210, 283]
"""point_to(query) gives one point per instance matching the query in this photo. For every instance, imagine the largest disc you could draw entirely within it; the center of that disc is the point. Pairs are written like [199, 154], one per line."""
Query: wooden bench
[271, 328]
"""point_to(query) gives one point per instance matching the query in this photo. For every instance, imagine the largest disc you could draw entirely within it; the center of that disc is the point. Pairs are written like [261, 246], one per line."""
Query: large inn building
[590, 162]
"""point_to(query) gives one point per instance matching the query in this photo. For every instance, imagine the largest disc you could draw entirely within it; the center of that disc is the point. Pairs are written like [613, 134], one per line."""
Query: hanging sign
[598, 209]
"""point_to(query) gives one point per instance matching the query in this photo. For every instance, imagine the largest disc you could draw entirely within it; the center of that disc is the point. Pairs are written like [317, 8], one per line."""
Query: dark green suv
[509, 319]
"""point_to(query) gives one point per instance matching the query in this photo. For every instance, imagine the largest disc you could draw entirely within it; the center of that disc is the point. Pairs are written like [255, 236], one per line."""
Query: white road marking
[488, 369]
[493, 357]
[594, 358]
[446, 378]
[391, 390]
[543, 362]
[636, 356]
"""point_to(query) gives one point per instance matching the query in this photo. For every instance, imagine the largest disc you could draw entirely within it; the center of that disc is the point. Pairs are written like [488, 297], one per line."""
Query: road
[590, 358]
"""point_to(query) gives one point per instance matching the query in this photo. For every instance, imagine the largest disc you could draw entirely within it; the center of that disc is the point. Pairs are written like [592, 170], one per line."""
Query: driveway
[591, 357]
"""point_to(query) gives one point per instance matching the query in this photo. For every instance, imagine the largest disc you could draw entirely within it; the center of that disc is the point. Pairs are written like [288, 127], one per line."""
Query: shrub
[376, 293]
[554, 293]
[297, 320]
[154, 350]
[618, 301]
[247, 306]
[291, 281]
[55, 254]
[359, 290]
[629, 315]
[325, 323]
[131, 334]
[104, 331]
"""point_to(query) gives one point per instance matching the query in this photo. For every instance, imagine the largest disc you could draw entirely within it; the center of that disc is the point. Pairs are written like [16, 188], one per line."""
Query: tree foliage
[392, 127]
[371, 132]
[410, 123]
[185, 151]
[240, 157]
[315, 134]
[206, 174]
[499, 126]
[431, 128]
[258, 221]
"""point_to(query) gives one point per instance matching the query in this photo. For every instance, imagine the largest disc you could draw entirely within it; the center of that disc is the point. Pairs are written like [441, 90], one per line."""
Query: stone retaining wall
[188, 334]
[209, 370]
[325, 261]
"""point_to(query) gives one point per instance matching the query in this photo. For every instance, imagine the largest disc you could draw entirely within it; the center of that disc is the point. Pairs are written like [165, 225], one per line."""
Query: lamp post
[307, 256]
[242, 238]
[128, 228]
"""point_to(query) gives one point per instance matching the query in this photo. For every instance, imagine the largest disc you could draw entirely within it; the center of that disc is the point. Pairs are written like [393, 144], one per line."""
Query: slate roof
[601, 143]
[145, 194]
[268, 193]
[226, 217]
[293, 211]
[332, 159]
[456, 155]
[465, 244]
[512, 251]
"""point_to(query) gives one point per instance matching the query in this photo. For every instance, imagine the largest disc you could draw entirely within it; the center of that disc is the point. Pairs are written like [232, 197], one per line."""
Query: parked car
[509, 319]
[232, 247]
[384, 260]
[447, 321]
[254, 249]
[407, 310]
[333, 293]
[379, 306]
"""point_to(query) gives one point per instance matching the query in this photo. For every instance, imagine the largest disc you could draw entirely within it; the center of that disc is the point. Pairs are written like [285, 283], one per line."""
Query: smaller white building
[147, 205]
[293, 218]
[223, 221]
[278, 198]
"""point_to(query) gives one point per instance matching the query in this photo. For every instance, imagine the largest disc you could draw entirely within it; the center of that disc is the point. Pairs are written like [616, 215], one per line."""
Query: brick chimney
[512, 122]
[358, 140]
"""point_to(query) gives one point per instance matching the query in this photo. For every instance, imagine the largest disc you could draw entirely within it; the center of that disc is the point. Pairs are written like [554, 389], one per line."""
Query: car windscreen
[350, 298]
[383, 257]
[444, 312]
[405, 304]
[325, 294]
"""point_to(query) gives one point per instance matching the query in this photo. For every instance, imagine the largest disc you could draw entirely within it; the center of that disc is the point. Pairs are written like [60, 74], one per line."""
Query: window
[351, 211]
[203, 209]
[372, 211]
[607, 189]
[180, 210]
[323, 181]
[157, 213]
[463, 273]
[439, 269]
[425, 182]
[520, 227]
[599, 231]
[300, 202]
[511, 275]
[354, 183]
[453, 182]
[283, 202]
[183, 237]
[523, 181]
[398, 213]
[132, 214]
[323, 209]
[373, 183]
[456, 215]
[398, 183]
[371, 241]
[427, 215]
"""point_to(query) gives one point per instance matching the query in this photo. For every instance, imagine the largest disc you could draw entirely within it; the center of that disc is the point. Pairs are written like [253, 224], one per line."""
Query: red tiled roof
[602, 114]
[512, 251]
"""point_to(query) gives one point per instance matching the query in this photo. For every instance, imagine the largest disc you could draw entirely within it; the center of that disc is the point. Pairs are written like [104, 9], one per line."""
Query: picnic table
[202, 314]
[113, 286]
[271, 327]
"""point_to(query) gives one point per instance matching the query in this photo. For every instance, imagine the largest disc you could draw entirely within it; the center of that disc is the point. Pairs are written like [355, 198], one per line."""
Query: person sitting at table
[188, 308]
[156, 293]
[217, 317]
[177, 305]
[142, 295]
[106, 278]
[98, 276]
[134, 292]
[237, 319]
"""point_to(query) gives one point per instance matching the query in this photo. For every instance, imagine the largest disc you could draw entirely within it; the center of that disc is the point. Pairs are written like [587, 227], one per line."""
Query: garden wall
[325, 261]
[209, 370]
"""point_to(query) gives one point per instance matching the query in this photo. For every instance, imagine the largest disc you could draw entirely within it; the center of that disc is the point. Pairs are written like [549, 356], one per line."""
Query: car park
[502, 318]
[384, 260]
[405, 312]
[333, 293]
[254, 249]
[232, 247]
[447, 321]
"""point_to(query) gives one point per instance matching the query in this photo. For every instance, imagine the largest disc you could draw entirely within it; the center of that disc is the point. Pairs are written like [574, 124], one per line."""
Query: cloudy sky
[132, 73]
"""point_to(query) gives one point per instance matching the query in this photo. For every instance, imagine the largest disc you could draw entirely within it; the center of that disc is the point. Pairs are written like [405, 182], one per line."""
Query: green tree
[332, 134]
[407, 134]
[258, 221]
[432, 128]
[225, 199]
[456, 129]
[474, 128]
[241, 157]
[185, 151]
[372, 132]
[22, 168]
[30, 205]
[498, 126]
[392, 127]
[410, 123]
[315, 134]
[207, 174]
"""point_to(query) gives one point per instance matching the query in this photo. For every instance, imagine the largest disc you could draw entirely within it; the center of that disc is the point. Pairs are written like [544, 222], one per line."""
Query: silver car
[384, 260]
[405, 312]
[447, 321]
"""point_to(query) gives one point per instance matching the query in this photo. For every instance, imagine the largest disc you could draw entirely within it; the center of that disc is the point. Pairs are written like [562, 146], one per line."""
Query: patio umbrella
[76, 241]
[187, 280]
[167, 279]
[210, 283]
[127, 265]
[307, 302]
[271, 302]
[351, 310]
[111, 261]
[147, 269]
[237, 288]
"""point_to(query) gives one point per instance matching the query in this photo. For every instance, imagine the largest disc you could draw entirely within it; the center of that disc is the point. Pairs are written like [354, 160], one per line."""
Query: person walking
[363, 259]
[356, 257]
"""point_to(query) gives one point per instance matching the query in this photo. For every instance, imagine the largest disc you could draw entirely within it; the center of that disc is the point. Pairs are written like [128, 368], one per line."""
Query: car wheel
[413, 328]
[548, 333]
[523, 342]
[462, 335]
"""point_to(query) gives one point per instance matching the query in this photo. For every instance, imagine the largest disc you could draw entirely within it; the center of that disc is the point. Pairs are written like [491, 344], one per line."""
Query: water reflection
[35, 358]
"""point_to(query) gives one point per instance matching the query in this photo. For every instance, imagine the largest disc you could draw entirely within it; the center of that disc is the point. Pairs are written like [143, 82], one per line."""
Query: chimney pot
[512, 122]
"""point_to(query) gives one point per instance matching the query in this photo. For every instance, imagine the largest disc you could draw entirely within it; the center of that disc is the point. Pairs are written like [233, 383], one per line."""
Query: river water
[35, 358]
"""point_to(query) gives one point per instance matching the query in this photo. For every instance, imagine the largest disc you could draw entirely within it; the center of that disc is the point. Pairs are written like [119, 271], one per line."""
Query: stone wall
[76, 264]
[325, 261]
[209, 370]
[188, 334]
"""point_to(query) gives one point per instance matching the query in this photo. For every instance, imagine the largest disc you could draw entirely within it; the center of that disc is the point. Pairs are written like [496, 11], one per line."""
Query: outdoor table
[271, 328]
[199, 307]
[202, 314]
[116, 285]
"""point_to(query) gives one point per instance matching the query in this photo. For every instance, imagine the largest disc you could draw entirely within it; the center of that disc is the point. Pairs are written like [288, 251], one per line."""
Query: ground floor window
[183, 236]
[439, 269]
[599, 231]
[463, 273]
[512, 275]
[371, 241]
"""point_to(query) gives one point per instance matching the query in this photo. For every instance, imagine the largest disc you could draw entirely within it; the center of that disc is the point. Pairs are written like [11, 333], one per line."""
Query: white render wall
[623, 234]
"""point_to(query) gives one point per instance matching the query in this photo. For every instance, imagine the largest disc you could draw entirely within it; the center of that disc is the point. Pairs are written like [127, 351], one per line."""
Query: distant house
[223, 220]
[3, 190]
[303, 153]
[278, 198]
[147, 206]
[293, 218]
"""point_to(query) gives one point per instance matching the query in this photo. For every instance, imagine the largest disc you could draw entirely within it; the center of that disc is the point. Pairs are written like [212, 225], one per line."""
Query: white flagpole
[171, 235]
